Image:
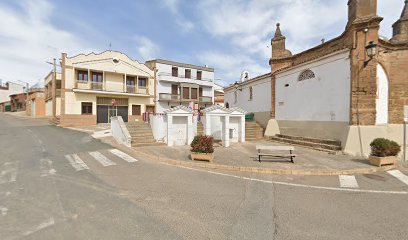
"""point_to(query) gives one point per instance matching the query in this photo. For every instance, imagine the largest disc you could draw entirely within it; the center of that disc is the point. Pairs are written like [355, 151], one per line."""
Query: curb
[298, 172]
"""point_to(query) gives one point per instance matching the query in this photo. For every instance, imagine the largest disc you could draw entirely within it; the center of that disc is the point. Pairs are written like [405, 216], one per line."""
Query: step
[147, 144]
[317, 146]
[309, 139]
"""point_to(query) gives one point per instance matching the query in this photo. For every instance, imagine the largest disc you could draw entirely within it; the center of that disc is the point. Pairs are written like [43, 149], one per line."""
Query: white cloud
[28, 39]
[146, 48]
[184, 24]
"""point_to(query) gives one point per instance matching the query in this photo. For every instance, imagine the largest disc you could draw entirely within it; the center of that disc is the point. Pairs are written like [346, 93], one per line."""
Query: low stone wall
[73, 120]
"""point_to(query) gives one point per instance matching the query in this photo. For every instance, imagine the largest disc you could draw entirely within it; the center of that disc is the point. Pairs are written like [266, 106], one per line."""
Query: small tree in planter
[202, 148]
[383, 151]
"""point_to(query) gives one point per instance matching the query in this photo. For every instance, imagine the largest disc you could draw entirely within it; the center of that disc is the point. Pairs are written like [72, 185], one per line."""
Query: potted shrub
[202, 148]
[383, 151]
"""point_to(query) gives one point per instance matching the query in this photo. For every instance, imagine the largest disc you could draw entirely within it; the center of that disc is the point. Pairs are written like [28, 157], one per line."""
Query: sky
[228, 35]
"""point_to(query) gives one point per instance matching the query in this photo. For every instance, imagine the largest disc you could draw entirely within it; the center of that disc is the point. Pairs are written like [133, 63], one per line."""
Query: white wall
[323, 98]
[261, 100]
[13, 89]
[158, 123]
[163, 83]
[382, 96]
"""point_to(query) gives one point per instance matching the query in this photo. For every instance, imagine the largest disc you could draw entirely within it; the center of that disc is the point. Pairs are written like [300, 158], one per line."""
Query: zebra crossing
[78, 164]
[350, 181]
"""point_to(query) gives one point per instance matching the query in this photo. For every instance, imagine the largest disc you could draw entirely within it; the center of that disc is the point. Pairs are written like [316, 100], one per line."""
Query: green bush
[381, 147]
[202, 144]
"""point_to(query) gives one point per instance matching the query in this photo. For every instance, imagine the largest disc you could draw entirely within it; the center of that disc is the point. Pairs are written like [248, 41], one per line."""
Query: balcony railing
[169, 97]
[178, 98]
[183, 76]
[205, 99]
[101, 86]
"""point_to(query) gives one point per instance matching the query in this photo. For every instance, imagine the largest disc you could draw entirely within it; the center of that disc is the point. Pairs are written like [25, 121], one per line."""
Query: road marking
[399, 175]
[347, 181]
[122, 155]
[46, 167]
[43, 225]
[3, 211]
[101, 159]
[9, 172]
[76, 162]
[294, 184]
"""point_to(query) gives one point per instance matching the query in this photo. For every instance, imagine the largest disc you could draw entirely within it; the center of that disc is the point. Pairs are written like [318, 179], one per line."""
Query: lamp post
[371, 51]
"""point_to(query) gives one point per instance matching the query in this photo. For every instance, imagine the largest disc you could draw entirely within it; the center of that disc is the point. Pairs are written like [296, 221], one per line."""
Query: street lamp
[371, 51]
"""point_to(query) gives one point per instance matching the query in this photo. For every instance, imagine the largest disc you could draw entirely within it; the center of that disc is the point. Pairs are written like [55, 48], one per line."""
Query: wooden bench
[261, 148]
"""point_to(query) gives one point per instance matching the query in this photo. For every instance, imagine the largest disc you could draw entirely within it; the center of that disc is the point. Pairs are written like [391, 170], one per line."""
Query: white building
[8, 89]
[181, 84]
[252, 95]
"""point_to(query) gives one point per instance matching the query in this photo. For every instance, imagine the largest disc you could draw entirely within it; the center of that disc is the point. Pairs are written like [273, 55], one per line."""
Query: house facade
[352, 88]
[52, 91]
[181, 84]
[18, 102]
[7, 89]
[36, 103]
[97, 86]
[252, 95]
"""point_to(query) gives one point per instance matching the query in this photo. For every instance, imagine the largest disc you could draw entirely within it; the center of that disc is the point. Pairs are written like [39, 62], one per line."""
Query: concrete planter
[202, 156]
[380, 161]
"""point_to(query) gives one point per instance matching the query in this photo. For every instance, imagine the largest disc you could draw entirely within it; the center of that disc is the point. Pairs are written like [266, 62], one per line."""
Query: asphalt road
[43, 196]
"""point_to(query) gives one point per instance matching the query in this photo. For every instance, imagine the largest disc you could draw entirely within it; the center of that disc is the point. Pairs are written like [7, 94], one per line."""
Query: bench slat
[276, 148]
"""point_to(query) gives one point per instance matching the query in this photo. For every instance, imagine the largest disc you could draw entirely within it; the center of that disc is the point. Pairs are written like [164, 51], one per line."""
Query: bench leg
[259, 155]
[291, 157]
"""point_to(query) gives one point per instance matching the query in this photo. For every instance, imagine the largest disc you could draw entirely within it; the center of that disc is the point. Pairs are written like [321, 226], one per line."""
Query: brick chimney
[361, 10]
[400, 27]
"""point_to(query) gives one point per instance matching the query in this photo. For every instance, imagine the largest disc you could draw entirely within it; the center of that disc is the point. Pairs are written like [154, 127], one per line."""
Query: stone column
[190, 133]
[242, 129]
[207, 125]
[226, 137]
[169, 130]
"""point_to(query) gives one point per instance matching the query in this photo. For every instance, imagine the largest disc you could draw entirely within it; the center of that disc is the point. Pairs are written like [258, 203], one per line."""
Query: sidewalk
[242, 157]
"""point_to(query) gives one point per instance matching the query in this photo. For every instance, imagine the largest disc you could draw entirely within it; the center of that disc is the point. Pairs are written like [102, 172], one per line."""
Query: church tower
[400, 27]
[278, 43]
[360, 10]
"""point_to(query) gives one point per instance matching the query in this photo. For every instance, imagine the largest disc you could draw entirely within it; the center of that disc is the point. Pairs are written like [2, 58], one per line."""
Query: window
[306, 74]
[174, 71]
[194, 93]
[174, 89]
[82, 76]
[200, 92]
[199, 75]
[250, 93]
[86, 108]
[186, 93]
[188, 73]
[235, 97]
[142, 82]
[130, 81]
[97, 77]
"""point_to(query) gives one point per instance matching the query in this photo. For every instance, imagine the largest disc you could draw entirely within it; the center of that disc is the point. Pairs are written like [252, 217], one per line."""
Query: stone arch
[381, 101]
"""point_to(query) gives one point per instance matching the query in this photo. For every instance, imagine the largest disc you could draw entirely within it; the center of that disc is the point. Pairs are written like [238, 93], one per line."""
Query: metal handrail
[183, 76]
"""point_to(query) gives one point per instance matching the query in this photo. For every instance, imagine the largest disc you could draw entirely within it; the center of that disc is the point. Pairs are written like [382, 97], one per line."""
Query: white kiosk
[179, 126]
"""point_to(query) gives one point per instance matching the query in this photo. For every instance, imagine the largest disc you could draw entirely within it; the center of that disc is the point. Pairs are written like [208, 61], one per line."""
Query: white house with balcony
[95, 87]
[182, 84]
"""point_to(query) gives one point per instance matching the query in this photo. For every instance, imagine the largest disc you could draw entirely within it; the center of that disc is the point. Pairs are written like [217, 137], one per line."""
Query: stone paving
[245, 155]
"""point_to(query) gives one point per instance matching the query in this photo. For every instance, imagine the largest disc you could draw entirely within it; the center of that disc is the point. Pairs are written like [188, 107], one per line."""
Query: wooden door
[150, 109]
[136, 110]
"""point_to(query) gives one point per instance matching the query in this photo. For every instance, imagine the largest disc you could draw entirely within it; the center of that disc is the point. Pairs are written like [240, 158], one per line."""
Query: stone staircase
[253, 131]
[324, 145]
[55, 120]
[141, 134]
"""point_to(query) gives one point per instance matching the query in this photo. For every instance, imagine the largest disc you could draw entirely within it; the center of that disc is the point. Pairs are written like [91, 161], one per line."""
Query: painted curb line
[299, 172]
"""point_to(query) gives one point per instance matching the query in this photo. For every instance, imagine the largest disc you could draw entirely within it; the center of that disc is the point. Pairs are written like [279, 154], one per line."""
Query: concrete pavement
[51, 199]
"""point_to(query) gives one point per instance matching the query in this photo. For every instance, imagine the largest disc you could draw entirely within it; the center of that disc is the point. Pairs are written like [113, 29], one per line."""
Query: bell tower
[361, 10]
[400, 27]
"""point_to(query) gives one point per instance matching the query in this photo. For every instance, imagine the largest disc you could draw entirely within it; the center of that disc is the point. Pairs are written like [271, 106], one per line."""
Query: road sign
[406, 113]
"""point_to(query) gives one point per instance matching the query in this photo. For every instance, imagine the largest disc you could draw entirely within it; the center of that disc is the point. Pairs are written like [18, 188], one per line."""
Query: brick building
[351, 89]
[36, 103]
[18, 102]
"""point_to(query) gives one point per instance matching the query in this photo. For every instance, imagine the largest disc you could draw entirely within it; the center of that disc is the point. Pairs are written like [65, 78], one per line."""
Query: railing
[169, 96]
[58, 92]
[99, 86]
[183, 76]
[130, 89]
[205, 99]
